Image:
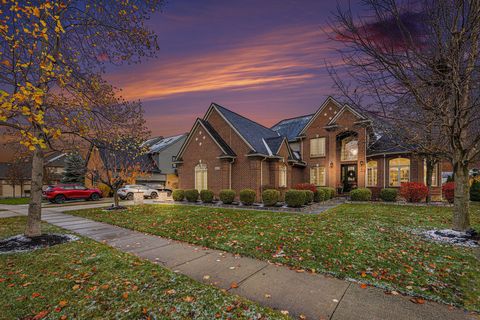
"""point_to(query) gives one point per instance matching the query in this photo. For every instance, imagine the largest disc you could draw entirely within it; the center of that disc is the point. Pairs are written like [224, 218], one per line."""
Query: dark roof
[117, 157]
[24, 169]
[251, 131]
[385, 144]
[274, 143]
[290, 128]
[56, 160]
[218, 138]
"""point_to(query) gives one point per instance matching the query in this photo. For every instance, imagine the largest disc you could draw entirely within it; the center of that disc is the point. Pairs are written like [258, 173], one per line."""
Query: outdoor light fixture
[331, 164]
[361, 163]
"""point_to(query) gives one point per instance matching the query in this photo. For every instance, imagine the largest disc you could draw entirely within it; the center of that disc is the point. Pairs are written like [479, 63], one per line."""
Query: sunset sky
[264, 59]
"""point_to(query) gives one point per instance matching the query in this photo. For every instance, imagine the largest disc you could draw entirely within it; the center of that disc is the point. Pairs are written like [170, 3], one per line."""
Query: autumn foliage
[448, 191]
[305, 186]
[413, 191]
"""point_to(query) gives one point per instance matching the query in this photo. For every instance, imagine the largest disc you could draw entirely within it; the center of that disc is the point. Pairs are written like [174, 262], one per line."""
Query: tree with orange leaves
[52, 55]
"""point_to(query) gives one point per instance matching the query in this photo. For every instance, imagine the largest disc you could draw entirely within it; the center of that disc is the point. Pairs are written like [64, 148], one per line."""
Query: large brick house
[337, 146]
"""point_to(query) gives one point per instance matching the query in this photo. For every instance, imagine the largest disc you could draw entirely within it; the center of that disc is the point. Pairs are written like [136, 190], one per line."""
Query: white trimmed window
[201, 177]
[317, 176]
[317, 147]
[372, 173]
[434, 174]
[399, 171]
[282, 176]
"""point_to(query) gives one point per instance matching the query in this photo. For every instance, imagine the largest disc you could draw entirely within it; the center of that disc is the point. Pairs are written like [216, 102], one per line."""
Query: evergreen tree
[74, 169]
[475, 191]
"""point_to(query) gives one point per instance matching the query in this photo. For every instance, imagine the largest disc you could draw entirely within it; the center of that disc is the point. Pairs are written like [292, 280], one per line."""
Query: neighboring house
[102, 161]
[15, 177]
[164, 152]
[337, 146]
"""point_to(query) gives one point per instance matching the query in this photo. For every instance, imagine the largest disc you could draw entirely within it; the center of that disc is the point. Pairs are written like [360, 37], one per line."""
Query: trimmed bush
[475, 191]
[178, 195]
[319, 195]
[328, 194]
[389, 194]
[361, 194]
[295, 198]
[332, 192]
[448, 191]
[247, 196]
[270, 197]
[227, 196]
[206, 196]
[191, 195]
[308, 196]
[413, 191]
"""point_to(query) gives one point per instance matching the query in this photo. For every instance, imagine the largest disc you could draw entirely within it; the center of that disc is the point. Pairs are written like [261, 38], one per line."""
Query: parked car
[127, 191]
[61, 192]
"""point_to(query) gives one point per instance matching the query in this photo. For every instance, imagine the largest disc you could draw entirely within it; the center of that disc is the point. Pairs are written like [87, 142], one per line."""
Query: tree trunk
[461, 218]
[115, 198]
[33, 228]
[428, 179]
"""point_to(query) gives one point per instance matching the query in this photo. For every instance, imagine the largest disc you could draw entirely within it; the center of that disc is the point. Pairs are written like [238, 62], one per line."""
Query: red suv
[62, 192]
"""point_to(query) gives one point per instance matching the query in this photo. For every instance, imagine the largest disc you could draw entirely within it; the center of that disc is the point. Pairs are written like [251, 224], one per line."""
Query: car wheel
[129, 196]
[154, 195]
[95, 197]
[60, 198]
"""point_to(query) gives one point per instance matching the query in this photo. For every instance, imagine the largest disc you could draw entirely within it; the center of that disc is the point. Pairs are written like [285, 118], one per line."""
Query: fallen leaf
[42, 314]
[284, 312]
[63, 303]
[125, 295]
[171, 291]
[76, 287]
[35, 295]
[188, 299]
[363, 286]
[206, 277]
[234, 285]
[418, 300]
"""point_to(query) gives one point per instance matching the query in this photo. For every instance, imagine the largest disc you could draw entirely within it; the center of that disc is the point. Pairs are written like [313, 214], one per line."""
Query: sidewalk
[302, 294]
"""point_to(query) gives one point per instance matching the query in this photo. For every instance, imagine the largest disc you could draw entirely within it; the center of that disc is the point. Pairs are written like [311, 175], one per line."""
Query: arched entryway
[347, 151]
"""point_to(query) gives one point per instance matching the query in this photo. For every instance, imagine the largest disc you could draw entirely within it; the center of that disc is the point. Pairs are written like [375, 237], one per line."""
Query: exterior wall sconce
[331, 164]
[361, 163]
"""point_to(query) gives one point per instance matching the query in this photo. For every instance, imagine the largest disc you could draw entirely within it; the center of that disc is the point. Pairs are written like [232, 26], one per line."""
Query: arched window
[372, 173]
[349, 150]
[282, 176]
[201, 177]
[399, 171]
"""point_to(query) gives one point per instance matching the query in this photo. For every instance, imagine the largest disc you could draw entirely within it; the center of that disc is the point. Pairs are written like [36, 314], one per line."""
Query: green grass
[372, 243]
[89, 280]
[15, 201]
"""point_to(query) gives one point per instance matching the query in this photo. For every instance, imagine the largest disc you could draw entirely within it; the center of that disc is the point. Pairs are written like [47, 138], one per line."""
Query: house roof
[385, 144]
[56, 160]
[252, 132]
[24, 169]
[163, 143]
[290, 128]
[118, 157]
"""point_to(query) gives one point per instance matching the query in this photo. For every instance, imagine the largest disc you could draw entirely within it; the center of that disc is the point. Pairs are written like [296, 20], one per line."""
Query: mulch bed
[21, 243]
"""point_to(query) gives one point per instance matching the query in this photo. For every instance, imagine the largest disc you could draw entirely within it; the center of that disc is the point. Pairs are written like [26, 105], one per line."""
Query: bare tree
[427, 53]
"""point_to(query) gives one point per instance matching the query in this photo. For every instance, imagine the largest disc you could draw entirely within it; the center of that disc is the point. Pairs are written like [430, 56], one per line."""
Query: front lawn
[371, 243]
[89, 280]
[15, 201]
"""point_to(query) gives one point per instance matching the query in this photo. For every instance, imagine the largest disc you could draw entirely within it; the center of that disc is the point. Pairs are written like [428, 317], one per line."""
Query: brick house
[337, 146]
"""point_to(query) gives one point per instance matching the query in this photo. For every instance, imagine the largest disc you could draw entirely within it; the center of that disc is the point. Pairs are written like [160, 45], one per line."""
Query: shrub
[361, 194]
[191, 195]
[475, 191]
[227, 196]
[295, 198]
[329, 192]
[178, 195]
[206, 196]
[319, 195]
[332, 192]
[448, 191]
[326, 193]
[305, 186]
[413, 191]
[247, 196]
[389, 194]
[270, 197]
[309, 195]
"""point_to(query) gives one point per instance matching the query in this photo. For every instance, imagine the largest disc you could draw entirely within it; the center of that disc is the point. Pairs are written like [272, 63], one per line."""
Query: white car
[127, 191]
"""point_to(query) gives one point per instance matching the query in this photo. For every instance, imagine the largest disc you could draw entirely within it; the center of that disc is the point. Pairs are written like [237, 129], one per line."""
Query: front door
[349, 177]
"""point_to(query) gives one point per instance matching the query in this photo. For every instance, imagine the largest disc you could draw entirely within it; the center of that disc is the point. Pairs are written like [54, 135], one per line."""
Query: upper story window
[349, 150]
[399, 171]
[434, 174]
[372, 173]
[317, 147]
[282, 176]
